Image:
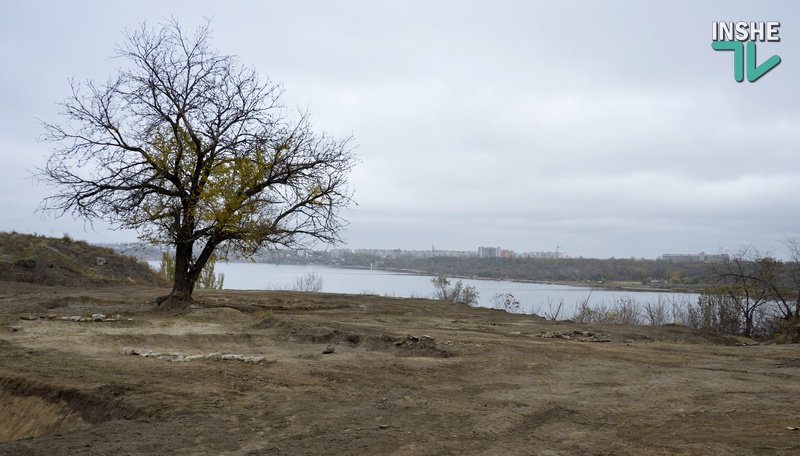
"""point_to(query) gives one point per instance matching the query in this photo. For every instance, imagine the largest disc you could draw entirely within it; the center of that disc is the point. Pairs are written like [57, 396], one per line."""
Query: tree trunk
[183, 281]
[797, 307]
[748, 324]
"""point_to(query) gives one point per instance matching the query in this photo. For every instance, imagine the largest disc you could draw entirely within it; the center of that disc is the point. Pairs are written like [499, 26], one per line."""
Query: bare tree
[192, 149]
[790, 302]
[746, 279]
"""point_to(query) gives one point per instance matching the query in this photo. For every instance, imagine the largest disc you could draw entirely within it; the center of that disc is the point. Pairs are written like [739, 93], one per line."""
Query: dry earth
[355, 374]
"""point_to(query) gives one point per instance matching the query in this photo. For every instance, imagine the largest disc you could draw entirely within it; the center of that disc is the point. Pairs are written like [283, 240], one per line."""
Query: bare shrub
[457, 293]
[312, 282]
[624, 310]
[553, 312]
[789, 332]
[717, 313]
[507, 302]
[590, 314]
[679, 309]
[656, 313]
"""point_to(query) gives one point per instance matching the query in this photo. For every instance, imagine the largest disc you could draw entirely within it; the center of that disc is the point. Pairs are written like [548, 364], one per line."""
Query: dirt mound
[63, 262]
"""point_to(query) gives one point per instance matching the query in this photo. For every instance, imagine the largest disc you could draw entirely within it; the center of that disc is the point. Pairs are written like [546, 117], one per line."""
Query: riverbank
[606, 285]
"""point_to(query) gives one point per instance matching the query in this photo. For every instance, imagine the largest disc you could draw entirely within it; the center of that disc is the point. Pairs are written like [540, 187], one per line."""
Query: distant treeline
[656, 273]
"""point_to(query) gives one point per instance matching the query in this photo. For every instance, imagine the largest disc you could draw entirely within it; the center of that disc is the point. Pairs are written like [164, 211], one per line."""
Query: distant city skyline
[477, 252]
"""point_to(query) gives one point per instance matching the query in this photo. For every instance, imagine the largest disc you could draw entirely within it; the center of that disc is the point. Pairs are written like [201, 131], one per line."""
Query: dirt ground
[302, 374]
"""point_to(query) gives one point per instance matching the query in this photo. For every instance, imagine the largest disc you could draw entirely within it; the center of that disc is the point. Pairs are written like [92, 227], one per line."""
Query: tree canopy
[193, 149]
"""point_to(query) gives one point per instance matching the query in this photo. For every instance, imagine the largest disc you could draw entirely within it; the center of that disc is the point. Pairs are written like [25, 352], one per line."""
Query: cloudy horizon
[610, 129]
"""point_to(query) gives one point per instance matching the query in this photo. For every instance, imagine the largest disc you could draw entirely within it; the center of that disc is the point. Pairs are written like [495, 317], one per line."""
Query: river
[536, 298]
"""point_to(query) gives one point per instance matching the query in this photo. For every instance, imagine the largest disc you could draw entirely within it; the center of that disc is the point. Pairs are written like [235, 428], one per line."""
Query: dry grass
[31, 416]
[62, 261]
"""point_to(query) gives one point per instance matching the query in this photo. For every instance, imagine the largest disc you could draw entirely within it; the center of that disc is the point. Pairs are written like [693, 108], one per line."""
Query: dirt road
[279, 373]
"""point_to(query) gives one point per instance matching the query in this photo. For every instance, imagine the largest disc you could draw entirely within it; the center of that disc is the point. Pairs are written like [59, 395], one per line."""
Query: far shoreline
[621, 286]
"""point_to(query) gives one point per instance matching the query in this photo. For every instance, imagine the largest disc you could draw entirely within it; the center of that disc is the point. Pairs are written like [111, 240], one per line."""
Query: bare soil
[354, 374]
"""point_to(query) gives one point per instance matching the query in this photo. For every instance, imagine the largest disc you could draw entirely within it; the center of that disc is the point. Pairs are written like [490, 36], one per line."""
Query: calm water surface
[533, 297]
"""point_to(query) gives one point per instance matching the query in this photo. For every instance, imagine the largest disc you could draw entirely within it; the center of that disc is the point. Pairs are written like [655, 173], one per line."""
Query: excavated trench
[29, 409]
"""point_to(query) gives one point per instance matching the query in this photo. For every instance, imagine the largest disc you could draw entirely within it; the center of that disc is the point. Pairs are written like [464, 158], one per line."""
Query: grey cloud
[611, 128]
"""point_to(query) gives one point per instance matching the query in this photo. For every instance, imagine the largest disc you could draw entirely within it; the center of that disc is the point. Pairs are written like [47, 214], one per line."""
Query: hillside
[41, 260]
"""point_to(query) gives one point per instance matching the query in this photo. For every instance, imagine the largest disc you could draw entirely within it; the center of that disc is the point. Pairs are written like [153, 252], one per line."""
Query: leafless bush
[507, 302]
[310, 282]
[713, 312]
[723, 314]
[656, 313]
[590, 314]
[716, 313]
[624, 310]
[768, 321]
[680, 310]
[553, 312]
[457, 293]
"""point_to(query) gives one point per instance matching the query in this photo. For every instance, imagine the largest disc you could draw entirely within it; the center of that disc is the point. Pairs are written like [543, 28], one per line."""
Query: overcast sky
[607, 128]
